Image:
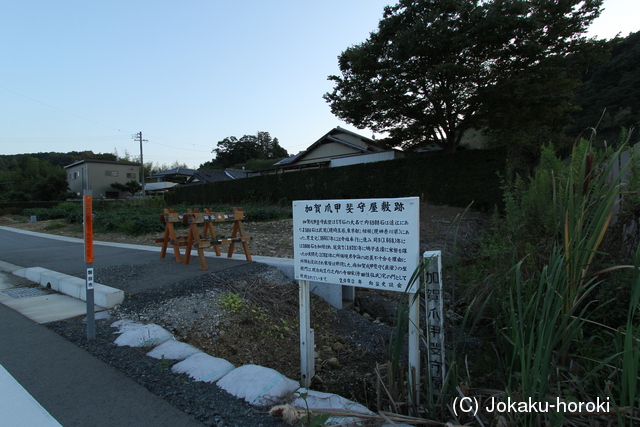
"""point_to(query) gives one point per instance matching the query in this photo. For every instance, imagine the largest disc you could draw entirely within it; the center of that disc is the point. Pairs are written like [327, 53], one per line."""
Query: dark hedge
[454, 179]
[16, 208]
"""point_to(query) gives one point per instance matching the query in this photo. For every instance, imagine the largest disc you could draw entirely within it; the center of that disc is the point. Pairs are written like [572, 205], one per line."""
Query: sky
[87, 75]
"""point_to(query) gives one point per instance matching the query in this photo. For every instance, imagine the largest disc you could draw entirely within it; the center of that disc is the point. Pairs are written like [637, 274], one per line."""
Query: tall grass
[539, 331]
[542, 305]
[545, 314]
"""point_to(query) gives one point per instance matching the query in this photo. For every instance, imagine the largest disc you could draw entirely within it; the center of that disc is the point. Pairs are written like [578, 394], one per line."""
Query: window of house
[131, 175]
[110, 173]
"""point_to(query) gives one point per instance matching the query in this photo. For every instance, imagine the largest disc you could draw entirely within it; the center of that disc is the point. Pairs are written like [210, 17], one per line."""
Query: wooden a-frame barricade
[208, 238]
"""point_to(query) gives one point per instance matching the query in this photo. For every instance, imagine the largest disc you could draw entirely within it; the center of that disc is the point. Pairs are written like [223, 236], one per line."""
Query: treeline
[55, 159]
[610, 95]
[39, 176]
[255, 152]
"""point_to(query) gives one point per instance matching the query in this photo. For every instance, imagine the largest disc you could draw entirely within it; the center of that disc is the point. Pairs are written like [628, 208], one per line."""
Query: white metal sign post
[435, 323]
[370, 243]
[307, 339]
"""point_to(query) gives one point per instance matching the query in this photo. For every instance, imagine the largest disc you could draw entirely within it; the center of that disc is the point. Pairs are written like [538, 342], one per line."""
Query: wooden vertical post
[208, 228]
[434, 303]
[169, 237]
[238, 229]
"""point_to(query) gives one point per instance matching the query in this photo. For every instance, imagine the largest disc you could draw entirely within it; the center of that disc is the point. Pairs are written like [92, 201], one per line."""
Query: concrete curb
[104, 296]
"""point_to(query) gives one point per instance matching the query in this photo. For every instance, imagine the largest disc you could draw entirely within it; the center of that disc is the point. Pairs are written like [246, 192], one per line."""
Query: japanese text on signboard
[435, 322]
[366, 243]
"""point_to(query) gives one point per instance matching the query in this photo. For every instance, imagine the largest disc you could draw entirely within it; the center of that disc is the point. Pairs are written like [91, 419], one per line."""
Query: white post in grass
[414, 349]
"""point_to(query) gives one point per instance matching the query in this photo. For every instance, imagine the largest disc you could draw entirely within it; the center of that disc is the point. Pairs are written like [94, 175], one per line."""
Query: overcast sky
[86, 75]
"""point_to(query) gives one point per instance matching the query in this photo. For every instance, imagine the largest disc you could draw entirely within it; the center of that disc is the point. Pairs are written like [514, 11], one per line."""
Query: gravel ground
[179, 304]
[175, 306]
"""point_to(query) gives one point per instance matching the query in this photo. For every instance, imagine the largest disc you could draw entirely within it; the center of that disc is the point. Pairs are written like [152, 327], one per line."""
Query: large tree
[610, 98]
[436, 68]
[233, 151]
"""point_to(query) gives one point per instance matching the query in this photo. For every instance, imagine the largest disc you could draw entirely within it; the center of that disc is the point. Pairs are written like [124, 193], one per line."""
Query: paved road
[66, 255]
[74, 387]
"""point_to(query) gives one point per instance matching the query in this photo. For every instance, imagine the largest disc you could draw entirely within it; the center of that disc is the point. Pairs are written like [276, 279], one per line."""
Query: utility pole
[138, 137]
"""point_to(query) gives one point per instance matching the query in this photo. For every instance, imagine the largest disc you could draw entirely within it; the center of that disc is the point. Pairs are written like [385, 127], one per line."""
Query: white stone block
[203, 367]
[144, 336]
[173, 350]
[258, 385]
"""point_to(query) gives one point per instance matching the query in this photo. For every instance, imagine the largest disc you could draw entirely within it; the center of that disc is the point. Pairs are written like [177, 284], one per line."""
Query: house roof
[191, 176]
[175, 172]
[237, 173]
[369, 145]
[101, 161]
[200, 177]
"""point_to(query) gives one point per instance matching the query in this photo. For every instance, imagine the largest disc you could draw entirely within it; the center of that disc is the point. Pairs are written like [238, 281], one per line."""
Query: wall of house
[324, 153]
[76, 177]
[102, 175]
[366, 158]
[98, 177]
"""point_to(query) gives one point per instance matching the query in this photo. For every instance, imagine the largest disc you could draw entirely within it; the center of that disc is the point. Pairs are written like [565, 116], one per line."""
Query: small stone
[333, 363]
[367, 316]
[336, 346]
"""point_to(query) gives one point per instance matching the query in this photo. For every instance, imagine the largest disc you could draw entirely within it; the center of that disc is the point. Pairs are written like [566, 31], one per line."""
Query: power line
[59, 109]
[179, 148]
[63, 138]
[181, 142]
[44, 140]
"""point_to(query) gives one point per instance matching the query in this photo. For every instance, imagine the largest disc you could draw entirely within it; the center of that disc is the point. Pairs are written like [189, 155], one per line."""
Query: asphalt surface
[73, 386]
[66, 255]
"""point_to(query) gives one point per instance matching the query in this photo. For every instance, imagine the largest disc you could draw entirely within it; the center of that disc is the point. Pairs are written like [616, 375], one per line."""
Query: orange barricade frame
[195, 240]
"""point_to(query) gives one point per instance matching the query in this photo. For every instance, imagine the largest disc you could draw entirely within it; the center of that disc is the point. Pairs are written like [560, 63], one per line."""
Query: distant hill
[56, 159]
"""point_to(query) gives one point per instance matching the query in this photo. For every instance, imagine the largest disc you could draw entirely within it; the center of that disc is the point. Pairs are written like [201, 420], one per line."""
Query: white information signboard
[369, 243]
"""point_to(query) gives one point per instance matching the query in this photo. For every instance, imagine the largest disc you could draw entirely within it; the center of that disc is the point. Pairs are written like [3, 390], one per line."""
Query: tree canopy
[233, 151]
[610, 97]
[436, 68]
[29, 178]
[55, 158]
[131, 187]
